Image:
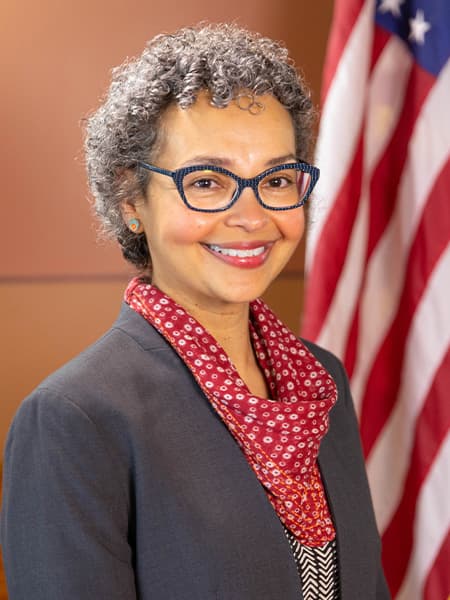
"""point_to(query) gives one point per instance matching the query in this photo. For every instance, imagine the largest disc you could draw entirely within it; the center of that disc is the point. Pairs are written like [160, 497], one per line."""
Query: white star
[418, 28]
[392, 6]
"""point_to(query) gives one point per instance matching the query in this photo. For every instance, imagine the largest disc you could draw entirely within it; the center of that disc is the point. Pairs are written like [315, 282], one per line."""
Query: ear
[132, 216]
[131, 206]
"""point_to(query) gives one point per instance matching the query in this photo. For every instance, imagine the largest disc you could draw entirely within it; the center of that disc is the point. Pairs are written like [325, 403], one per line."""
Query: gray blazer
[121, 483]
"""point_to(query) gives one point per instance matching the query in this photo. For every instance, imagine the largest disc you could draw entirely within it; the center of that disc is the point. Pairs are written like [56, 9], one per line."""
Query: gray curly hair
[222, 59]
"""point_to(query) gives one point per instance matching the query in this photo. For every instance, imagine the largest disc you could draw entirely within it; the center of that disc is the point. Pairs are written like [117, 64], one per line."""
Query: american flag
[378, 267]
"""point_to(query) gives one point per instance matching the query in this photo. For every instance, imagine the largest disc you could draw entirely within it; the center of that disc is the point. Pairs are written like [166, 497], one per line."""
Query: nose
[247, 212]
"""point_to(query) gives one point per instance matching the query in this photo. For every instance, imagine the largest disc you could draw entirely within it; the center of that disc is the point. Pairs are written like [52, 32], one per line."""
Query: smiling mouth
[247, 253]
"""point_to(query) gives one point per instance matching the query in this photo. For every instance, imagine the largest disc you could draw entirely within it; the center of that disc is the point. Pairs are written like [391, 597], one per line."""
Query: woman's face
[190, 251]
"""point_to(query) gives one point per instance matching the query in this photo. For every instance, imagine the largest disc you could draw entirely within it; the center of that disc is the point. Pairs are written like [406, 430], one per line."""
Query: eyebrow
[216, 161]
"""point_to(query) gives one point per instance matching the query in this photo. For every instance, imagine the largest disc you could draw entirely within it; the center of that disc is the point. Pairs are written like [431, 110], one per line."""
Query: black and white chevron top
[317, 568]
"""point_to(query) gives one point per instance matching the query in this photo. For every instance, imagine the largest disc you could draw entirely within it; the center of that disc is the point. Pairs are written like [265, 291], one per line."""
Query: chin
[243, 296]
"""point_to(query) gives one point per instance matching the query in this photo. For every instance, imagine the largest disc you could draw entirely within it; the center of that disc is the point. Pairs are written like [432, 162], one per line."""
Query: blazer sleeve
[64, 524]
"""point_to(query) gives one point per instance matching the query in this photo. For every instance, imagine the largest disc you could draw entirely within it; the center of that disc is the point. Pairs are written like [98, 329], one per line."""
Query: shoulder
[130, 369]
[131, 346]
[327, 358]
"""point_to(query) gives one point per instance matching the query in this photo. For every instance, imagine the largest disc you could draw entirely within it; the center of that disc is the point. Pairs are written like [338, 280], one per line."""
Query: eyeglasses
[208, 188]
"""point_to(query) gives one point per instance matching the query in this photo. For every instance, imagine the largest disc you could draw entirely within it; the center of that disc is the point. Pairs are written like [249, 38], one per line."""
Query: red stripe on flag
[380, 38]
[437, 584]
[384, 379]
[431, 428]
[352, 343]
[338, 227]
[386, 176]
[344, 18]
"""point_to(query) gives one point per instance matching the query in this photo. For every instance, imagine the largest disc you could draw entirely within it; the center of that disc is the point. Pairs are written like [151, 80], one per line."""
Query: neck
[230, 329]
[229, 326]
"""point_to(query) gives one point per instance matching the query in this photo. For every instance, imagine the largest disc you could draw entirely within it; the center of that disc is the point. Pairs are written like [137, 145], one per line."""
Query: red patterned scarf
[280, 438]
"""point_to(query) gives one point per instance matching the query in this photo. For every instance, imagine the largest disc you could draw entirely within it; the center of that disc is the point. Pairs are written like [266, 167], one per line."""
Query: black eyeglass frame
[253, 182]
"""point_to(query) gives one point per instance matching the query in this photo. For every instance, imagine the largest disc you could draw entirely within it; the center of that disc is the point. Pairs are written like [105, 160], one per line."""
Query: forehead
[204, 128]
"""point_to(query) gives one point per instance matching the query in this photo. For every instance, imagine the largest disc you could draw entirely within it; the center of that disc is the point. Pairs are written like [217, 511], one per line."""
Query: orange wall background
[59, 287]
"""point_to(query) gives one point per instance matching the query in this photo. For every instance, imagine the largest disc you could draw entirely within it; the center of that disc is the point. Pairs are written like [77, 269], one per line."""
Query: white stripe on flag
[385, 103]
[431, 525]
[427, 344]
[336, 145]
[384, 285]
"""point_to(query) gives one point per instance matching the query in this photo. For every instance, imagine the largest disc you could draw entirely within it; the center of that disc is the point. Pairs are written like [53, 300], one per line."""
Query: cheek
[292, 225]
[181, 226]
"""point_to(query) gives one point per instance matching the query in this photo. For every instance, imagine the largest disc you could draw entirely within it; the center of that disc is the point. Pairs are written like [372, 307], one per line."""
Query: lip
[242, 262]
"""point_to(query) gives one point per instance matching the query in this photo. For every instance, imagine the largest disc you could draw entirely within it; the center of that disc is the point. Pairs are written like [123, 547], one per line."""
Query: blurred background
[388, 79]
[60, 286]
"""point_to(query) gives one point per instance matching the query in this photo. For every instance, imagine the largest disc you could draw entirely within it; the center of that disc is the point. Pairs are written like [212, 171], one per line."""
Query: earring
[134, 225]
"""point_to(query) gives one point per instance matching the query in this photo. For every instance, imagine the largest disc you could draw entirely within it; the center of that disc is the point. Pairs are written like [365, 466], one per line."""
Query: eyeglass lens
[206, 189]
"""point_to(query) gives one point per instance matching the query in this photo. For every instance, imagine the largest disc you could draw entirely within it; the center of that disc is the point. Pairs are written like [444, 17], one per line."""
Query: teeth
[238, 253]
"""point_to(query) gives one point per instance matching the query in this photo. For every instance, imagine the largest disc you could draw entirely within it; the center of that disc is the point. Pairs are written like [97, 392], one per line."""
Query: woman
[178, 457]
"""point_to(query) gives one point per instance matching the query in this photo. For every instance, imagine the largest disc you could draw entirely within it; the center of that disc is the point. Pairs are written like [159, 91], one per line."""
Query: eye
[203, 183]
[279, 181]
